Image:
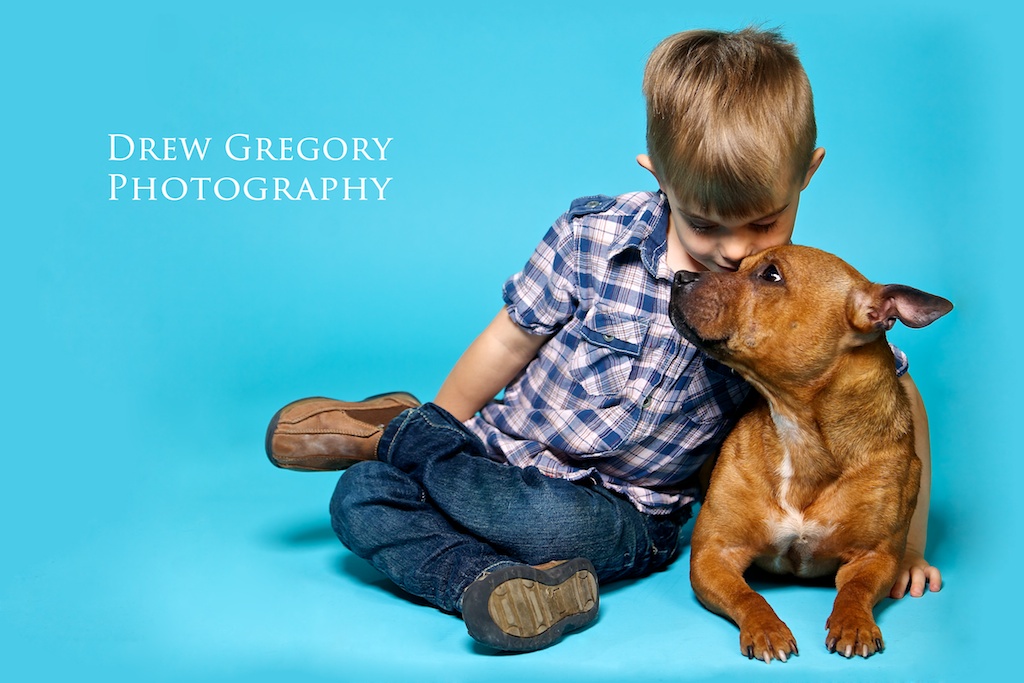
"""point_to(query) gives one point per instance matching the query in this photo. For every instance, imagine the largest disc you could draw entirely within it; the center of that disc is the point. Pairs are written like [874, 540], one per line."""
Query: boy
[510, 512]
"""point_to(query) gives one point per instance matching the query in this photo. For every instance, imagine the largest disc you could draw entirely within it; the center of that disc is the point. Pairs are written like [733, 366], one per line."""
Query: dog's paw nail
[782, 656]
[750, 652]
[849, 651]
[878, 645]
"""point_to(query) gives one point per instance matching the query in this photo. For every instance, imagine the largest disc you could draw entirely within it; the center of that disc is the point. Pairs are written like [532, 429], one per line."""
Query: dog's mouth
[691, 335]
[684, 281]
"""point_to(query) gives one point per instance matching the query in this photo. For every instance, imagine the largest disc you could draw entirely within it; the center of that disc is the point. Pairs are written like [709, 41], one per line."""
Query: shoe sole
[521, 608]
[272, 427]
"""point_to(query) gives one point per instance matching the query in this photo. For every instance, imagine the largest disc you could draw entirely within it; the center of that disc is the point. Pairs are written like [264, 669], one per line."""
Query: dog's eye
[771, 274]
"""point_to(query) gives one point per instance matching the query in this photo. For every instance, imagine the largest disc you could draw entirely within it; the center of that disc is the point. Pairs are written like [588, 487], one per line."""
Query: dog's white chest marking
[795, 542]
[794, 538]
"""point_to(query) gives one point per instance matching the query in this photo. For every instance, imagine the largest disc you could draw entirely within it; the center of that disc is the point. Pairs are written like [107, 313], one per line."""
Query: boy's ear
[645, 161]
[816, 158]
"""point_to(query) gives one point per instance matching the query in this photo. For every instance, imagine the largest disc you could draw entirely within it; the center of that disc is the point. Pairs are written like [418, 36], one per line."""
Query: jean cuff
[496, 565]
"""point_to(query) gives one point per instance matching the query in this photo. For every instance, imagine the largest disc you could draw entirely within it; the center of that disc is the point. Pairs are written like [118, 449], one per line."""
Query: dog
[820, 475]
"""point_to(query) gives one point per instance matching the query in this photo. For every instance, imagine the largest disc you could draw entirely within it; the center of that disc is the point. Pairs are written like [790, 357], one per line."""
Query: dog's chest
[796, 545]
[796, 539]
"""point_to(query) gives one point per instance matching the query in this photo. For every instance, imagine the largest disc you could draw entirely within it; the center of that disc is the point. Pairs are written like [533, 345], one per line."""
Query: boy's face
[716, 244]
[710, 242]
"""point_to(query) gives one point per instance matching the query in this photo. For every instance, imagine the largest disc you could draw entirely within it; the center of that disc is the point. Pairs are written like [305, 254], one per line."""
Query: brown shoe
[519, 608]
[322, 434]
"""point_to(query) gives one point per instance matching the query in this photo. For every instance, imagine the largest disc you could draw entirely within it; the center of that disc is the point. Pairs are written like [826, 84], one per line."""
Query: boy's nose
[735, 251]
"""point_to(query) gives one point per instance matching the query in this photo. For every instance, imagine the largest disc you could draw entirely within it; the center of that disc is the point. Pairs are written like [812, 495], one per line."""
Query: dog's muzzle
[679, 282]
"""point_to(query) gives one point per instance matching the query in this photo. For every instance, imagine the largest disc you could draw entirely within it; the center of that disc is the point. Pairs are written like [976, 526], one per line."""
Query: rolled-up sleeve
[542, 297]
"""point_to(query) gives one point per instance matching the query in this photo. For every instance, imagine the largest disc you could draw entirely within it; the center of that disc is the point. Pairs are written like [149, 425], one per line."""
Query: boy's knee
[355, 486]
[360, 492]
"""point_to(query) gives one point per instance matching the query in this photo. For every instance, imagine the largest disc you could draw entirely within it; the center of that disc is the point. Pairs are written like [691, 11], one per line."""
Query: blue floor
[145, 537]
[216, 566]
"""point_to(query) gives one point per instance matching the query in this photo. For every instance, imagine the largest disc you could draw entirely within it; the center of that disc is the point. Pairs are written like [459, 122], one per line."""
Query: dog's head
[789, 313]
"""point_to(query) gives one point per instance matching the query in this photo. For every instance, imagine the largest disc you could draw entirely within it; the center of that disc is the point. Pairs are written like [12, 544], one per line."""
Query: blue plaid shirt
[616, 396]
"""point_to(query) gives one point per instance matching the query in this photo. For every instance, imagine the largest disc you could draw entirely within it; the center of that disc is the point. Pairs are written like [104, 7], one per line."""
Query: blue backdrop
[148, 342]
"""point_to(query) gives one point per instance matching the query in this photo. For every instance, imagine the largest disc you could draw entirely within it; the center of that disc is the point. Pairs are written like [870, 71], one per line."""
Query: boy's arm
[487, 366]
[916, 570]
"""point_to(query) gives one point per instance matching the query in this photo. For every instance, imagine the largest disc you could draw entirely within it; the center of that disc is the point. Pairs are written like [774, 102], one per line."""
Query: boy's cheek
[707, 261]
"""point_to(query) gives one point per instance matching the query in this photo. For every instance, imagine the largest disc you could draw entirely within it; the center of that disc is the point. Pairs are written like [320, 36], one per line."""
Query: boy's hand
[915, 573]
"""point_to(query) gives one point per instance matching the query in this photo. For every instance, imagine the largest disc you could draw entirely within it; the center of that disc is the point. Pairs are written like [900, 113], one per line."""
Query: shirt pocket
[608, 346]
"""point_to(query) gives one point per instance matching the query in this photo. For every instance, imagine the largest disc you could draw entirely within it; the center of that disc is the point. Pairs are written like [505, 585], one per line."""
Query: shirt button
[648, 401]
[593, 203]
[609, 338]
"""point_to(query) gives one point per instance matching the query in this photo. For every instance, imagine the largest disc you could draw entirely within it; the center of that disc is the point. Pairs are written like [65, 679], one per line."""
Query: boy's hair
[730, 118]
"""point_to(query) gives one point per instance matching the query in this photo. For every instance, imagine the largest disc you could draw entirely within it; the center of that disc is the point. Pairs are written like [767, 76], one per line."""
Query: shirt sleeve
[542, 297]
[902, 363]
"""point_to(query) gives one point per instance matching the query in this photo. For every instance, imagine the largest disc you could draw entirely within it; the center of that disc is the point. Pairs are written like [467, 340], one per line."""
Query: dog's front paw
[767, 638]
[852, 634]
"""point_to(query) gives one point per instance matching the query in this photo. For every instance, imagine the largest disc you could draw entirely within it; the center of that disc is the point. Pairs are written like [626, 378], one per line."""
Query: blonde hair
[730, 119]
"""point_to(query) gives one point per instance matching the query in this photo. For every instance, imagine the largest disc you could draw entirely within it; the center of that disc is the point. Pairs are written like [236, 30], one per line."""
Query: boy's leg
[384, 516]
[437, 516]
[521, 513]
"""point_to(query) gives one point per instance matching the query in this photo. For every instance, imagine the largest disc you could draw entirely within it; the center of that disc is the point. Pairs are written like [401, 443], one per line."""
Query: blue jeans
[434, 513]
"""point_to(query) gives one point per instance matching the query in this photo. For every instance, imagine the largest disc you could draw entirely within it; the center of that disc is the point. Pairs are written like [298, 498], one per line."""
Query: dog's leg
[717, 577]
[861, 583]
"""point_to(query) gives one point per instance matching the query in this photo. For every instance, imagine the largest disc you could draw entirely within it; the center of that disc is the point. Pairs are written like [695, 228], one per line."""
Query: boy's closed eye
[706, 228]
[765, 227]
[700, 228]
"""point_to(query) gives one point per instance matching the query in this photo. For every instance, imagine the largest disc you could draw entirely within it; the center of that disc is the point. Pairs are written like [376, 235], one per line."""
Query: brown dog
[821, 476]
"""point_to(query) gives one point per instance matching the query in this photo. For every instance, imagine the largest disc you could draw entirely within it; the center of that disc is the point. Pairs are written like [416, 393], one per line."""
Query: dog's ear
[876, 308]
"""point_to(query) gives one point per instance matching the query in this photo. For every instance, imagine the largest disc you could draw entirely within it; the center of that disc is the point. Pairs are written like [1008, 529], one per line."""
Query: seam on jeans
[664, 556]
[646, 557]
[442, 425]
[391, 445]
[416, 412]
[426, 418]
[656, 552]
[462, 432]
[626, 565]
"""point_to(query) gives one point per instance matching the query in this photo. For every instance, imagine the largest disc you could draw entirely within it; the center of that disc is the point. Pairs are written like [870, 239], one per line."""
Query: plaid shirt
[616, 396]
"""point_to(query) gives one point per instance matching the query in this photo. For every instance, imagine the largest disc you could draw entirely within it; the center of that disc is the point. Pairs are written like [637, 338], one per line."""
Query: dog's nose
[685, 277]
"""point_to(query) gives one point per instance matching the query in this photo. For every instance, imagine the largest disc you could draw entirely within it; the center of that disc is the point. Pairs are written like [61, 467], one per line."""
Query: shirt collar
[648, 233]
